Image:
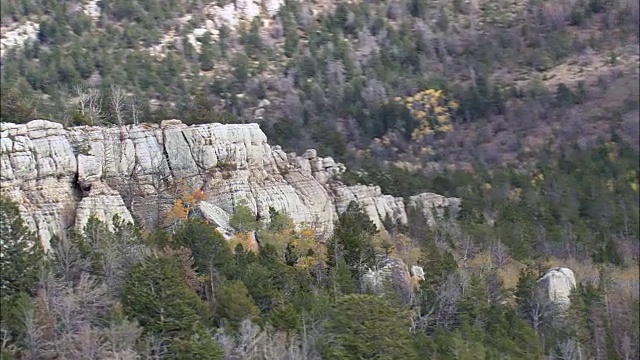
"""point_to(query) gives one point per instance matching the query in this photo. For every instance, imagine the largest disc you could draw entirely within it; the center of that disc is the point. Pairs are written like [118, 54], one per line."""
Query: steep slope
[62, 176]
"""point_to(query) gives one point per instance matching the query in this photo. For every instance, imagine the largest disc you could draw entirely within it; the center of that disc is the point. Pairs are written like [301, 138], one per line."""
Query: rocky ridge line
[61, 176]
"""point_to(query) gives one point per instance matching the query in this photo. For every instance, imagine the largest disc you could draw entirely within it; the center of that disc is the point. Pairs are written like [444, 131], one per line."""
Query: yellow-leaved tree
[184, 205]
[432, 110]
[299, 247]
[309, 252]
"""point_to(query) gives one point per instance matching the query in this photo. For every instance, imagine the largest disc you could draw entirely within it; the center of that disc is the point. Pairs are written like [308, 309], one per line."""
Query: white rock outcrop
[104, 204]
[218, 217]
[236, 11]
[18, 36]
[231, 15]
[92, 8]
[556, 285]
[433, 206]
[392, 274]
[417, 272]
[60, 176]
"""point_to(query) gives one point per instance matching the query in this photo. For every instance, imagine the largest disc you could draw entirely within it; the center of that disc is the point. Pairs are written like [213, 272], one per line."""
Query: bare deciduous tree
[67, 321]
[31, 330]
[121, 340]
[276, 30]
[305, 16]
[89, 102]
[499, 254]
[569, 350]
[253, 343]
[118, 102]
[155, 348]
[135, 110]
[68, 261]
[468, 249]
[293, 107]
[448, 298]
[336, 74]
[395, 11]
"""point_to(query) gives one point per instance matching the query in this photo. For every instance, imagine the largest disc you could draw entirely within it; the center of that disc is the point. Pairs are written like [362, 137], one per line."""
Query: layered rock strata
[61, 176]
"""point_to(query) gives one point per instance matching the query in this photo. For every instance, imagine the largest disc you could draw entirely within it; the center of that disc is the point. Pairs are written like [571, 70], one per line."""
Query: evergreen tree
[475, 303]
[207, 53]
[234, 304]
[208, 247]
[341, 279]
[21, 253]
[529, 306]
[279, 221]
[366, 327]
[351, 240]
[156, 295]
[243, 218]
[15, 107]
[197, 345]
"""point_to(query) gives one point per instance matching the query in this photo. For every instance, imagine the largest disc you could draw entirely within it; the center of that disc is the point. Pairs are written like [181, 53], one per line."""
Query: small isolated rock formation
[231, 16]
[394, 272]
[218, 217]
[60, 177]
[232, 13]
[92, 8]
[556, 285]
[417, 272]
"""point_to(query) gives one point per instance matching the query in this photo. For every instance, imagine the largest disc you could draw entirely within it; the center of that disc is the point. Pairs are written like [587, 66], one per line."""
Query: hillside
[362, 179]
[154, 250]
[328, 75]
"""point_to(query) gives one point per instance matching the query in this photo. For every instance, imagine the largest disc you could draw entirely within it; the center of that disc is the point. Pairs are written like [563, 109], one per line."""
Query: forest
[189, 294]
[525, 110]
[539, 69]
[182, 291]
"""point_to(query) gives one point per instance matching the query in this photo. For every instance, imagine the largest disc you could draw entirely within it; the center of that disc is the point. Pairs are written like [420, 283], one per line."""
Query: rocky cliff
[61, 176]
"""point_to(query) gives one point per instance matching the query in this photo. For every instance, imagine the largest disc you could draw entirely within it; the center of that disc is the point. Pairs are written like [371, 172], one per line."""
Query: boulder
[556, 285]
[390, 274]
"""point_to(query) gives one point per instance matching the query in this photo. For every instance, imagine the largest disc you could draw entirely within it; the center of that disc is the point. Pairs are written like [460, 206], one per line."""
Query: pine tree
[155, 294]
[199, 345]
[366, 327]
[243, 218]
[21, 253]
[15, 107]
[351, 240]
[234, 304]
[342, 279]
[207, 54]
[279, 221]
[207, 246]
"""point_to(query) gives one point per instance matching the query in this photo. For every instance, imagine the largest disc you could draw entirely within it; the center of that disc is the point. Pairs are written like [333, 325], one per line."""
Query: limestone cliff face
[60, 176]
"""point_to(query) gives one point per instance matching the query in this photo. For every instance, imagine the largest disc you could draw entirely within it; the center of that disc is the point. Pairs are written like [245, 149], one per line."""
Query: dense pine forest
[190, 294]
[525, 110]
